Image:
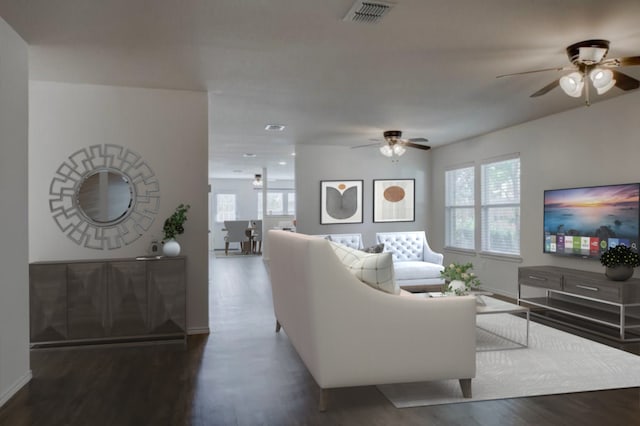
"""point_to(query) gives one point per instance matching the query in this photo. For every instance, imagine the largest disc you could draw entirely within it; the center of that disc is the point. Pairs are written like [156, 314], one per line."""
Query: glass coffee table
[490, 305]
[487, 305]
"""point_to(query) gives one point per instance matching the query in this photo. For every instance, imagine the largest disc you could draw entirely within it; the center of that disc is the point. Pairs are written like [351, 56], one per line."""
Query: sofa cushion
[375, 270]
[378, 248]
[411, 270]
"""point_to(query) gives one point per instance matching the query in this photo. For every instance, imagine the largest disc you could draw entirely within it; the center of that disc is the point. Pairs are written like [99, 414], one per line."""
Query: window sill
[466, 252]
[503, 257]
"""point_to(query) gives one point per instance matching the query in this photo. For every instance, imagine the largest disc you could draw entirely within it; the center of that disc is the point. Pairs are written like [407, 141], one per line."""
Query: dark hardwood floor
[243, 373]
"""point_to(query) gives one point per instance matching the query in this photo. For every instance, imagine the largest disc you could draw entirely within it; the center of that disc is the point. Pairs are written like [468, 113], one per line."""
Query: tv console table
[612, 307]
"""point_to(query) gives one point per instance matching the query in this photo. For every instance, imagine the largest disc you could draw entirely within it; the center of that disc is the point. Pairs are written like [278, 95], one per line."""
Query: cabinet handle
[586, 287]
[533, 277]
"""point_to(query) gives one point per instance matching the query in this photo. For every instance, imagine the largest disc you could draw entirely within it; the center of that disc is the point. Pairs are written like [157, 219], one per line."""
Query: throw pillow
[375, 270]
[378, 248]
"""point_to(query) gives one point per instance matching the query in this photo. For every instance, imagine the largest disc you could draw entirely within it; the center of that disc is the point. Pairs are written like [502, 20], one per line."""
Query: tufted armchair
[350, 240]
[414, 262]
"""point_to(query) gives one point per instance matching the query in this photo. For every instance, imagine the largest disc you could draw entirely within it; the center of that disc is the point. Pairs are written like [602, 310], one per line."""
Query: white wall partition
[168, 128]
[14, 255]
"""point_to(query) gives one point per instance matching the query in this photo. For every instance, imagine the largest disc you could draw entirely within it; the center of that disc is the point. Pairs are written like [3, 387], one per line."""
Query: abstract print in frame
[393, 200]
[340, 201]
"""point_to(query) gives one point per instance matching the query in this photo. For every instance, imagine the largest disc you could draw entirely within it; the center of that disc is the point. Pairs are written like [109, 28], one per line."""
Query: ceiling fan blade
[541, 70]
[414, 145]
[621, 62]
[629, 61]
[625, 82]
[366, 145]
[549, 87]
[419, 140]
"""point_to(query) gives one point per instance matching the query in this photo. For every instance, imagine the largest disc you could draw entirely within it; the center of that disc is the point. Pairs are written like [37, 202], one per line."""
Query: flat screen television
[587, 221]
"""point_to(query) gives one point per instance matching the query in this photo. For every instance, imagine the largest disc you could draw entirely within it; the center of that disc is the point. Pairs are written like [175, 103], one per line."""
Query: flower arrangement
[174, 224]
[459, 272]
[620, 255]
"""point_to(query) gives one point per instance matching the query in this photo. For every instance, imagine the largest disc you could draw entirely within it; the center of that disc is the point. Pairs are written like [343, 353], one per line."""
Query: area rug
[555, 362]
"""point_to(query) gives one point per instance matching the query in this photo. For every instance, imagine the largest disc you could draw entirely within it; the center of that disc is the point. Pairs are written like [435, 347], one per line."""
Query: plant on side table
[173, 226]
[459, 279]
[619, 261]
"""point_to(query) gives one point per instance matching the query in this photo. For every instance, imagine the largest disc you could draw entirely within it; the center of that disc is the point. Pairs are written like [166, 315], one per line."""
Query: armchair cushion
[415, 270]
[375, 270]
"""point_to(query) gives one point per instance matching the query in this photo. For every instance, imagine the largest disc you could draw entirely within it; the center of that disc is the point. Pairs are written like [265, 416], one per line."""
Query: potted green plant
[173, 226]
[619, 261]
[459, 279]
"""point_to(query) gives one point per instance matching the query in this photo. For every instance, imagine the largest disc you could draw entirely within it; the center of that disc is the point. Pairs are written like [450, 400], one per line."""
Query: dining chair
[236, 233]
[257, 236]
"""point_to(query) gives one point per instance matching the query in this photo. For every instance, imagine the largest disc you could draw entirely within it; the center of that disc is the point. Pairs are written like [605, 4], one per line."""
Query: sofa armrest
[429, 255]
[432, 256]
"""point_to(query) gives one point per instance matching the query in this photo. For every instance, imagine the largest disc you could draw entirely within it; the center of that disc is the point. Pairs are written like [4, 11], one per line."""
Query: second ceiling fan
[588, 62]
[395, 145]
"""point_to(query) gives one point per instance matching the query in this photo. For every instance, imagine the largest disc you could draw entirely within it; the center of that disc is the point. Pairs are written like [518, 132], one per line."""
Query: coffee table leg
[527, 341]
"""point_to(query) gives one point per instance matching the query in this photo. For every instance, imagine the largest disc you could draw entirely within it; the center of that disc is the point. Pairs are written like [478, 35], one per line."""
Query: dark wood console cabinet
[102, 301]
[608, 308]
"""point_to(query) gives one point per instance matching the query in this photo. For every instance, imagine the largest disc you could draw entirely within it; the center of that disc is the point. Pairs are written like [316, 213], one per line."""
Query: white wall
[168, 128]
[594, 145]
[14, 269]
[315, 163]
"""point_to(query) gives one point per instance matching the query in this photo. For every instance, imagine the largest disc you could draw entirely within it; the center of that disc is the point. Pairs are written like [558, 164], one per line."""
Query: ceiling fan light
[572, 84]
[386, 151]
[592, 55]
[602, 80]
[399, 150]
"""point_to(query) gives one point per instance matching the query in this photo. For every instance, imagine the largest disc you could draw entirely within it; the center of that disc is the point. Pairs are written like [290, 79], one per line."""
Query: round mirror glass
[105, 196]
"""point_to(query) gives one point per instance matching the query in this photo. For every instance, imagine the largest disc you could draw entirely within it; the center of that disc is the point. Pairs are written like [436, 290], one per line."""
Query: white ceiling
[428, 68]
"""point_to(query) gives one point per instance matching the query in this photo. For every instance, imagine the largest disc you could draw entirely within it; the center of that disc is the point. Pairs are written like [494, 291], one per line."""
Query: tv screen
[587, 221]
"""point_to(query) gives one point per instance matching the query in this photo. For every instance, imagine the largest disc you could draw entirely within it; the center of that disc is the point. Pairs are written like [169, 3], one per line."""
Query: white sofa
[415, 264]
[350, 334]
[349, 240]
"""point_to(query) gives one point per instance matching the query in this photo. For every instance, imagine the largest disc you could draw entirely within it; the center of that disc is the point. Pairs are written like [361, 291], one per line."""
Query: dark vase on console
[619, 273]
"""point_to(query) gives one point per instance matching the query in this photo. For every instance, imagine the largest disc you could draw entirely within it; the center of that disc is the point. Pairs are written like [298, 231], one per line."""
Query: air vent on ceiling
[368, 12]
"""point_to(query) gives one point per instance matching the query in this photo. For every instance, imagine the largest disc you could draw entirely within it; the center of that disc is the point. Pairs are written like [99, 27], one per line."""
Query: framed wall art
[393, 200]
[340, 201]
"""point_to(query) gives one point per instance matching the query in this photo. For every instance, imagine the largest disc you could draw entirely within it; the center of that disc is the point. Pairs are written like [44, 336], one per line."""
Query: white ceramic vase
[457, 285]
[171, 248]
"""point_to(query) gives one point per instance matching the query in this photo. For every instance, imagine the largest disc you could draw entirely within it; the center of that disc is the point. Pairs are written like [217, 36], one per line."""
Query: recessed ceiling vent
[368, 12]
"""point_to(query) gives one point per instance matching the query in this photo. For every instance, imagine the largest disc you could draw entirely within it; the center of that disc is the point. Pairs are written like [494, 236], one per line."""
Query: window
[460, 208]
[500, 208]
[291, 203]
[225, 207]
[275, 203]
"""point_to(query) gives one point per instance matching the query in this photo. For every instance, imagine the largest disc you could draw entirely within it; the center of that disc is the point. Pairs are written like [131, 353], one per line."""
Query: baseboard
[198, 330]
[13, 389]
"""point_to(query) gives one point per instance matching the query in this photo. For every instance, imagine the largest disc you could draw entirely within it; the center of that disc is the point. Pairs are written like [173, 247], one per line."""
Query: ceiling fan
[395, 145]
[588, 59]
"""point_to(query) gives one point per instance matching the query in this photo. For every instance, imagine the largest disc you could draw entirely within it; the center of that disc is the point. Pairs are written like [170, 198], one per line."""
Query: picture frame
[394, 200]
[340, 201]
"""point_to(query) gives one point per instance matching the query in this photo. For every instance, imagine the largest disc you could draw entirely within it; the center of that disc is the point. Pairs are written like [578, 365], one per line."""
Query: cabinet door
[167, 296]
[48, 302]
[87, 300]
[128, 305]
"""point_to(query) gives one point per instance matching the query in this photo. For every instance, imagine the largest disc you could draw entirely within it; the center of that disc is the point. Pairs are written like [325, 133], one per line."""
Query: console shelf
[107, 301]
[585, 295]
